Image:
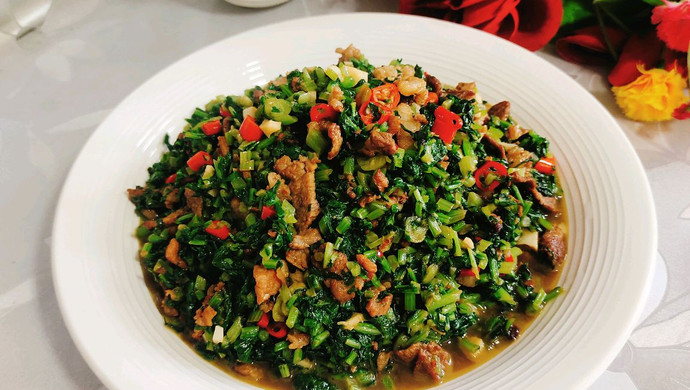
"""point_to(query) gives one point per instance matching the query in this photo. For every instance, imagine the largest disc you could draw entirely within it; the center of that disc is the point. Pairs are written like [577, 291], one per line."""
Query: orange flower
[653, 96]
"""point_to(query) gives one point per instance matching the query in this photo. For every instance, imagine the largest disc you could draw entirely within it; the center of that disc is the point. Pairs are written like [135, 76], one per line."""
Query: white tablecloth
[59, 82]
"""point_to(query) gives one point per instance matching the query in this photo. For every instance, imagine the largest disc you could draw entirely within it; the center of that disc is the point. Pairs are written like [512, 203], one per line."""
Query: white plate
[99, 284]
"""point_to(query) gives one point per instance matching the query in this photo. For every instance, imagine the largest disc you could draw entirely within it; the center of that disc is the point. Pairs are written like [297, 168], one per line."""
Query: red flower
[645, 50]
[682, 112]
[529, 23]
[676, 59]
[587, 45]
[673, 24]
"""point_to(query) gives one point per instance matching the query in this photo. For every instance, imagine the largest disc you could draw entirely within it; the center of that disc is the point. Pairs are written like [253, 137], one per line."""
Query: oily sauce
[401, 373]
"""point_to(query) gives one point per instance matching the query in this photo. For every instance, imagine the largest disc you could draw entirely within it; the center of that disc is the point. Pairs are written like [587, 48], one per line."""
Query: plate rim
[603, 360]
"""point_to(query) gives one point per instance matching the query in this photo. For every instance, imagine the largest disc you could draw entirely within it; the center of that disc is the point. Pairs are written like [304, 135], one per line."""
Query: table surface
[88, 48]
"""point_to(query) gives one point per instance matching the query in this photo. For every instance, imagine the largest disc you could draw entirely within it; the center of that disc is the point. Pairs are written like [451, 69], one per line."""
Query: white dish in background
[256, 3]
[99, 283]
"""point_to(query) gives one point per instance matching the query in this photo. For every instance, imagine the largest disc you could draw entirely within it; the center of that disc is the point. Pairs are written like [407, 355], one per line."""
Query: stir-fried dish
[348, 225]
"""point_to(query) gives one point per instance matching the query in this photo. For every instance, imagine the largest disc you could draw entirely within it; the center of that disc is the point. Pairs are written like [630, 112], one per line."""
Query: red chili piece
[323, 111]
[268, 212]
[224, 112]
[386, 95]
[446, 124]
[367, 115]
[277, 330]
[171, 179]
[211, 128]
[433, 98]
[198, 160]
[484, 170]
[219, 230]
[263, 322]
[467, 272]
[249, 130]
[546, 165]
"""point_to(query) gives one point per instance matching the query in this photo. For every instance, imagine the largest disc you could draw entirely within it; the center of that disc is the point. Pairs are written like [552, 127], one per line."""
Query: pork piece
[366, 199]
[431, 358]
[339, 263]
[238, 209]
[150, 224]
[134, 192]
[515, 131]
[465, 91]
[348, 53]
[297, 340]
[335, 99]
[211, 291]
[359, 283]
[149, 214]
[172, 254]
[302, 188]
[204, 316]
[380, 180]
[194, 202]
[298, 258]
[334, 133]
[172, 198]
[547, 202]
[382, 360]
[305, 239]
[552, 246]
[398, 196]
[294, 84]
[405, 139]
[433, 361]
[376, 307]
[283, 189]
[336, 137]
[250, 370]
[434, 83]
[501, 110]
[339, 290]
[172, 217]
[352, 322]
[267, 283]
[386, 72]
[282, 272]
[493, 147]
[257, 94]
[379, 142]
[226, 123]
[368, 265]
[517, 156]
[267, 306]
[169, 310]
[223, 146]
[394, 124]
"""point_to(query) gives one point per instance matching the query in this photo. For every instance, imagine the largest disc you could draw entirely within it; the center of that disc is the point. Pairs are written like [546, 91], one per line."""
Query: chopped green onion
[367, 328]
[353, 343]
[344, 225]
[284, 371]
[319, 338]
[292, 316]
[553, 294]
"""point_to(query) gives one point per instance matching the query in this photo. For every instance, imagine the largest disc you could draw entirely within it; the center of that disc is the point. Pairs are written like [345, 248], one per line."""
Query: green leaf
[654, 2]
[576, 12]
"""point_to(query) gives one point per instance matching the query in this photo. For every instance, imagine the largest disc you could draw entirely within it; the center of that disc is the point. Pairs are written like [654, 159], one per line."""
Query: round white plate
[99, 284]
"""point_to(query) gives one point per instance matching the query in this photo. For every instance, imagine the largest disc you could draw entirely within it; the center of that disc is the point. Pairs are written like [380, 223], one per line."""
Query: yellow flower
[652, 96]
